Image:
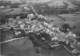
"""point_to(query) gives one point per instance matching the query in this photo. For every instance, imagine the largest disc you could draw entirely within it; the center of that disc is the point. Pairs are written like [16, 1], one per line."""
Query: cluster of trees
[4, 18]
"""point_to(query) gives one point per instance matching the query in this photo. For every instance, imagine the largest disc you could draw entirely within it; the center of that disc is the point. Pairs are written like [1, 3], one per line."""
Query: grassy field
[18, 48]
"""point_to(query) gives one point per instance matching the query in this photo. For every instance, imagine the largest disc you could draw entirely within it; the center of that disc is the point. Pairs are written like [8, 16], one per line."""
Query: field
[18, 48]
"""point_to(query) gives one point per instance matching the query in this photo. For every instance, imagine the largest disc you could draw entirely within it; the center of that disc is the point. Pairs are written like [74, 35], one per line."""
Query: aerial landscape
[21, 22]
